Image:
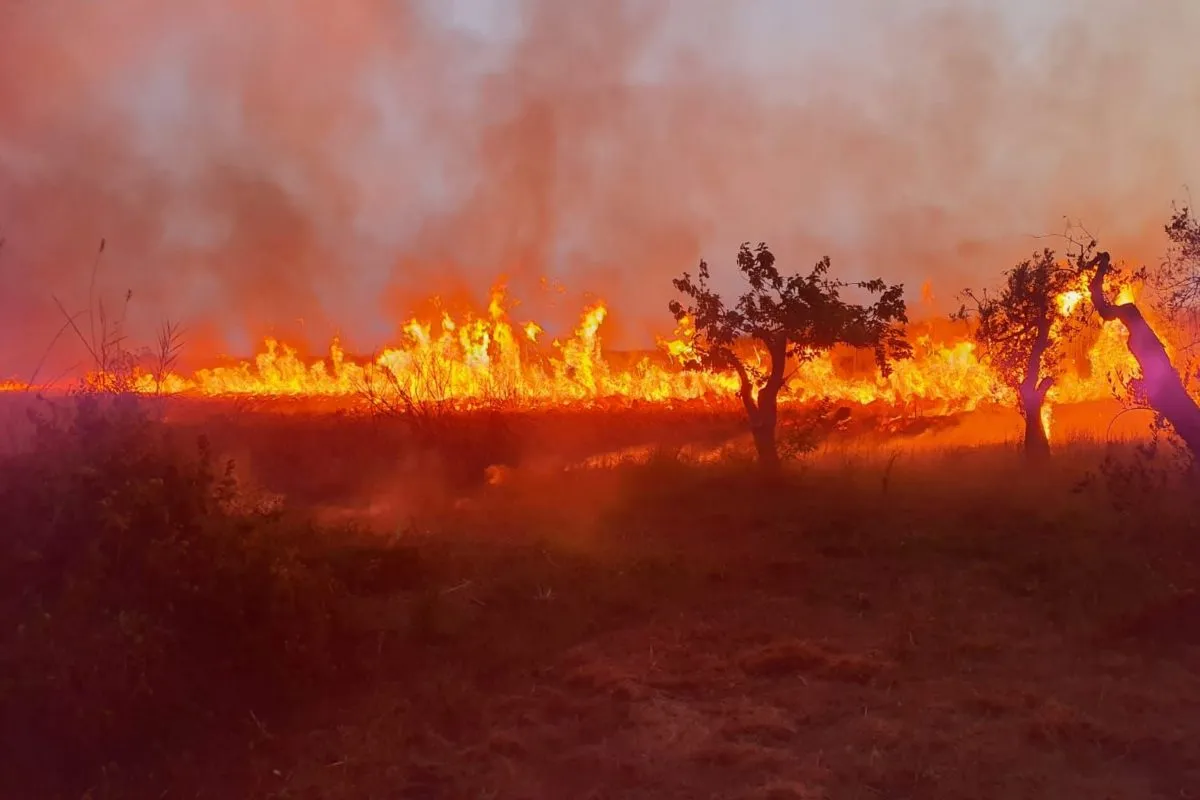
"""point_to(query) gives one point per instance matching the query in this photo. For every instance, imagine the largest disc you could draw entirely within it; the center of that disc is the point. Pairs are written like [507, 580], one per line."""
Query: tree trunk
[762, 427]
[1163, 386]
[1037, 443]
[763, 431]
[763, 411]
[1033, 392]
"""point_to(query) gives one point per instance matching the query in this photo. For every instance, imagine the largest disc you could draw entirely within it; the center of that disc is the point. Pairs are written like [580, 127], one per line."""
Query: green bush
[143, 593]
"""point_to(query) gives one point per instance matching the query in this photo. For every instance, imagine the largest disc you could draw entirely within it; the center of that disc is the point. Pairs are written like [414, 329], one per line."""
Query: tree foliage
[793, 318]
[1178, 277]
[800, 316]
[1022, 327]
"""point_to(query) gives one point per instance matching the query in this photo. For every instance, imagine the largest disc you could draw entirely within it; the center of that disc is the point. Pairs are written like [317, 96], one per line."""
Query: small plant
[144, 591]
[418, 390]
[802, 434]
[170, 344]
[114, 367]
[1161, 463]
[463, 441]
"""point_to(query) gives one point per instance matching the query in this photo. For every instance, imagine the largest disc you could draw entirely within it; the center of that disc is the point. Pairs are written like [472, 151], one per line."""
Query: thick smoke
[310, 169]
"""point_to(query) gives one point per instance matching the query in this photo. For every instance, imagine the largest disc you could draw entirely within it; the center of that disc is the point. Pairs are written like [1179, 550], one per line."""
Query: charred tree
[1161, 382]
[1020, 329]
[790, 319]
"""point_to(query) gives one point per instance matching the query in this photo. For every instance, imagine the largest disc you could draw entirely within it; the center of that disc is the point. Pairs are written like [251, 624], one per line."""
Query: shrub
[143, 593]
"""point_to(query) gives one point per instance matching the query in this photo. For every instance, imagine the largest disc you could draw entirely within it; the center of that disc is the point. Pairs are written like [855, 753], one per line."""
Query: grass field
[883, 621]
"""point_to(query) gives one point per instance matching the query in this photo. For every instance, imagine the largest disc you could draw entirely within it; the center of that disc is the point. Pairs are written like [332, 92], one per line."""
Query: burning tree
[795, 317]
[1021, 329]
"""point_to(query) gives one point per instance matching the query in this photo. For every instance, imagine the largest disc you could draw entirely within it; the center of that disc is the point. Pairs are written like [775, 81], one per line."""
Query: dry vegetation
[898, 624]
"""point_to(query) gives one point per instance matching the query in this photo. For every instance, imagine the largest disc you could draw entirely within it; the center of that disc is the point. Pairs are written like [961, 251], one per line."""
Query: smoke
[311, 169]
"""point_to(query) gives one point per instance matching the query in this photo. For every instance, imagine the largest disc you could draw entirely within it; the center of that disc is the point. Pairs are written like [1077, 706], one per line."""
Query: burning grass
[882, 622]
[488, 359]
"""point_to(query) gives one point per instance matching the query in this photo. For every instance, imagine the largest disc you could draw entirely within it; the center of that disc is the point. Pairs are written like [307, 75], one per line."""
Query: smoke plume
[311, 169]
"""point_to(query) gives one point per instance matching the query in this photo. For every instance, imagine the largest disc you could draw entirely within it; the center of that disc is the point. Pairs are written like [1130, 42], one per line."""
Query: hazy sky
[256, 164]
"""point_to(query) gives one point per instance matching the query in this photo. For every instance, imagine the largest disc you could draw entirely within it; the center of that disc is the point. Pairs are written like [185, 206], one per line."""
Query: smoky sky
[312, 168]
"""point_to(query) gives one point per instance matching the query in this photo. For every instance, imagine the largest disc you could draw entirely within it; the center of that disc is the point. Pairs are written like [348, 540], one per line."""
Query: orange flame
[474, 360]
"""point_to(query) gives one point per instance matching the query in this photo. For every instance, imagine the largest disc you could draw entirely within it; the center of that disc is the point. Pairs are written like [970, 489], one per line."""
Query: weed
[145, 592]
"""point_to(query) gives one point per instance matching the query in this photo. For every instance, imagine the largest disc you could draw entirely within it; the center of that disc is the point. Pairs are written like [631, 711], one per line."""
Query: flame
[1068, 301]
[487, 358]
[680, 349]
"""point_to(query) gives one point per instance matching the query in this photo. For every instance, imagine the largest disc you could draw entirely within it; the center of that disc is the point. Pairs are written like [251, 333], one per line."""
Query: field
[897, 616]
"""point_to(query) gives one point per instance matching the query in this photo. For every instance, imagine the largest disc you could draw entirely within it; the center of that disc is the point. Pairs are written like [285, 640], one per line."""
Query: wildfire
[1067, 302]
[489, 358]
[469, 361]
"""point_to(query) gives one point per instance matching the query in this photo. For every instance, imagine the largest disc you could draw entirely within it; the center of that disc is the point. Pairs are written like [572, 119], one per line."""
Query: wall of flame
[490, 358]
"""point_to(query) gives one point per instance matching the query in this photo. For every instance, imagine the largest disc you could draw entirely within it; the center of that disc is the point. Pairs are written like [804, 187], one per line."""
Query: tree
[1178, 277]
[1021, 330]
[1160, 382]
[791, 318]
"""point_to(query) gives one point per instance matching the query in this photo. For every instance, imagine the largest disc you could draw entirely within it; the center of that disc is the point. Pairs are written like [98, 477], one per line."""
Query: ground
[939, 627]
[895, 623]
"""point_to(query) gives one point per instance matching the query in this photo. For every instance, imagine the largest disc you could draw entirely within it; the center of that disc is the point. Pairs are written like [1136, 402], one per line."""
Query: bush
[143, 593]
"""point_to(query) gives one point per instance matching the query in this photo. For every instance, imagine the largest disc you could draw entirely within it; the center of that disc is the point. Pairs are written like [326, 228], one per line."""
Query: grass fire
[489, 358]
[598, 400]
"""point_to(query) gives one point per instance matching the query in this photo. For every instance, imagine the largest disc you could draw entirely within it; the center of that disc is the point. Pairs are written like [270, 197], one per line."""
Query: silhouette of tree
[1160, 382]
[1178, 277]
[795, 317]
[1021, 330]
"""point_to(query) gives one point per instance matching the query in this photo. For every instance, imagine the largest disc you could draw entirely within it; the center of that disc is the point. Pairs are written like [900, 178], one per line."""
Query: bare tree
[793, 318]
[1021, 330]
[1160, 382]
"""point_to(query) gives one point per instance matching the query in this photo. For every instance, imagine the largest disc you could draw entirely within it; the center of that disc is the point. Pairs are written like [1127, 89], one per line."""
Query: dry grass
[964, 628]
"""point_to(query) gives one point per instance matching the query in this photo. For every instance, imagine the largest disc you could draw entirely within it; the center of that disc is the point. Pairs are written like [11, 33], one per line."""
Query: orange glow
[1068, 301]
[474, 360]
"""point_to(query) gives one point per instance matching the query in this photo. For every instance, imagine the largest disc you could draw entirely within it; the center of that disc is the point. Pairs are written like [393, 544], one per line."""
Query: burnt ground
[939, 626]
